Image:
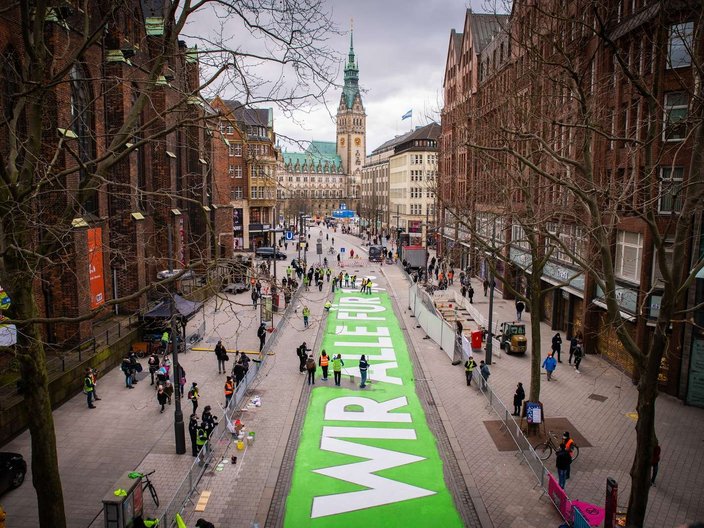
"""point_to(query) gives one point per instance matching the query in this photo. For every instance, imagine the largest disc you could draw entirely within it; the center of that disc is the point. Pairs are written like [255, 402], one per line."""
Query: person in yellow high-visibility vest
[324, 362]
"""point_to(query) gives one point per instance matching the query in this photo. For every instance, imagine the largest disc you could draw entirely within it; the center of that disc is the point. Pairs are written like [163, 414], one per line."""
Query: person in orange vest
[324, 362]
[569, 444]
[229, 390]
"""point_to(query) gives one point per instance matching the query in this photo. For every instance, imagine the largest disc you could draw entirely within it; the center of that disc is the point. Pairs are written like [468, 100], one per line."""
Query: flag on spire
[407, 115]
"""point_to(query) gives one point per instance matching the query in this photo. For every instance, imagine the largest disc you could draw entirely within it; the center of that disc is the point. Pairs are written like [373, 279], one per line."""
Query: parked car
[268, 252]
[12, 471]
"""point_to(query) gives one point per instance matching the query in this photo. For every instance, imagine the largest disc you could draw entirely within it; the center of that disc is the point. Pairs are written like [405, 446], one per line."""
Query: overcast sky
[401, 47]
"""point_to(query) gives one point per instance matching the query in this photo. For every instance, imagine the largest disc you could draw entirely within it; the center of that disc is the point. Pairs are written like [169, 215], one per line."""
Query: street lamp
[179, 429]
[489, 342]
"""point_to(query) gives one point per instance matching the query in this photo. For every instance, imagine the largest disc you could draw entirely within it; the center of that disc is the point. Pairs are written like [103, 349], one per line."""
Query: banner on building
[95, 267]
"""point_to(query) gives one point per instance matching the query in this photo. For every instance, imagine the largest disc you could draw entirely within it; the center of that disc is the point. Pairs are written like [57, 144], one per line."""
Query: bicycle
[147, 484]
[331, 250]
[545, 449]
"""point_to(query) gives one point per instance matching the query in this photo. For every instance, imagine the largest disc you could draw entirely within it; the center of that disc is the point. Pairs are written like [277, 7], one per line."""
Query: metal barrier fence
[432, 322]
[221, 436]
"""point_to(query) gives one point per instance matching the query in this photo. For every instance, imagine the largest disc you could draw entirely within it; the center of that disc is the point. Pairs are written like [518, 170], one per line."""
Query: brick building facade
[512, 90]
[106, 237]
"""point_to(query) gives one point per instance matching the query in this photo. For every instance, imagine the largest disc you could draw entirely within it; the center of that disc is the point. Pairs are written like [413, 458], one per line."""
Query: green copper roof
[320, 156]
[351, 88]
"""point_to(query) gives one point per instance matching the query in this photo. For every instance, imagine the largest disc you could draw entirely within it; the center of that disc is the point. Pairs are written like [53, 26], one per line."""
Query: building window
[238, 193]
[238, 171]
[629, 252]
[231, 170]
[676, 107]
[680, 47]
[231, 150]
[229, 130]
[670, 192]
[417, 159]
[238, 149]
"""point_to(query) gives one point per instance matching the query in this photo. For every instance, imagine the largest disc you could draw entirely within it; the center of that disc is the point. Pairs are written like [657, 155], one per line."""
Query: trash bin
[123, 502]
[476, 340]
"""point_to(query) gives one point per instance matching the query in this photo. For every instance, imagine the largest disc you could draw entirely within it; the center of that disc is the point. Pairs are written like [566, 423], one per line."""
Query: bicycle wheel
[152, 492]
[575, 452]
[543, 450]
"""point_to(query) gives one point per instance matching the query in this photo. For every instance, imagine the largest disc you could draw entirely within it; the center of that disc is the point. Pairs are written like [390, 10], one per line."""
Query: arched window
[141, 155]
[81, 124]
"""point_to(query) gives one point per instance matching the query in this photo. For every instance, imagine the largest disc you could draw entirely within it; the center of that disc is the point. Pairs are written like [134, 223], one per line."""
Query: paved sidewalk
[126, 431]
[506, 486]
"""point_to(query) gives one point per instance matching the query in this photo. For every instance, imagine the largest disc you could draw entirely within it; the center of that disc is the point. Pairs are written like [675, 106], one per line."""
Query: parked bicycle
[147, 484]
[545, 449]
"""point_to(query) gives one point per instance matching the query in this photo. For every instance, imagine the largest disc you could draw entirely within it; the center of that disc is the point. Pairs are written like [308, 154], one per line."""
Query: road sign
[289, 235]
[342, 250]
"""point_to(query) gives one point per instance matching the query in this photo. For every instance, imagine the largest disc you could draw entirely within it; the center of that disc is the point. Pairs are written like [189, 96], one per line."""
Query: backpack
[191, 394]
[310, 364]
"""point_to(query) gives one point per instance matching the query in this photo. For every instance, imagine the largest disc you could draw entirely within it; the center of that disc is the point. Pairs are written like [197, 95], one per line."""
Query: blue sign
[343, 205]
[342, 213]
[342, 250]
[289, 235]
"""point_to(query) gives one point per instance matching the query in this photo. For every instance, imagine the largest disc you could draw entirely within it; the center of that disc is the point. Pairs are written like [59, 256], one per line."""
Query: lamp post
[489, 342]
[179, 429]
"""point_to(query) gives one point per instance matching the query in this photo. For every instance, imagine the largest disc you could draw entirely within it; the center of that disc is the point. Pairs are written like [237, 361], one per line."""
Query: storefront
[259, 235]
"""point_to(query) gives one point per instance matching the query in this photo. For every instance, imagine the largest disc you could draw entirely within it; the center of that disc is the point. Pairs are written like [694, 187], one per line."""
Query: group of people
[307, 364]
[200, 432]
[576, 353]
[469, 367]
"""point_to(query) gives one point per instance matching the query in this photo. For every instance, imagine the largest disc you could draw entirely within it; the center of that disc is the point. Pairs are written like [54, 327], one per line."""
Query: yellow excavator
[513, 338]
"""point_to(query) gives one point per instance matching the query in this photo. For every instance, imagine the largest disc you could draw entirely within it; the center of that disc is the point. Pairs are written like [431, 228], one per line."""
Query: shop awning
[184, 308]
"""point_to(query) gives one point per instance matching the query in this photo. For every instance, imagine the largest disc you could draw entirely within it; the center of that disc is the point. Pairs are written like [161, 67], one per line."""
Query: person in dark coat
[518, 398]
[563, 459]
[557, 346]
[192, 430]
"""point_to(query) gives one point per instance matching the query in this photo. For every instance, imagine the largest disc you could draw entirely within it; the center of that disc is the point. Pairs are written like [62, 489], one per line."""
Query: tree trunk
[535, 301]
[45, 464]
[645, 433]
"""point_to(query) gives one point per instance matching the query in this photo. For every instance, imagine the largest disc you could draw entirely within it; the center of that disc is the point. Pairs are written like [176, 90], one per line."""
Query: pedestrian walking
[557, 346]
[229, 390]
[363, 367]
[306, 316]
[165, 342]
[192, 431]
[347, 280]
[221, 355]
[655, 462]
[549, 365]
[485, 372]
[469, 367]
[463, 291]
[486, 286]
[470, 294]
[126, 367]
[161, 397]
[153, 364]
[569, 444]
[244, 361]
[168, 390]
[337, 365]
[563, 460]
[518, 398]
[209, 421]
[310, 367]
[578, 355]
[181, 377]
[238, 373]
[89, 388]
[193, 396]
[520, 306]
[324, 362]
[302, 353]
[576, 339]
[261, 334]
[255, 297]
[94, 378]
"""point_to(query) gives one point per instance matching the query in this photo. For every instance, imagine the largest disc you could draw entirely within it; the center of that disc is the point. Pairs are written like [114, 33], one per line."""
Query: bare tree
[58, 166]
[596, 83]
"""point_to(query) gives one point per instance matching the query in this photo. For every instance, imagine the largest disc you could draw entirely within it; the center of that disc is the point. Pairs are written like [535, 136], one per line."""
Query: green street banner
[366, 456]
